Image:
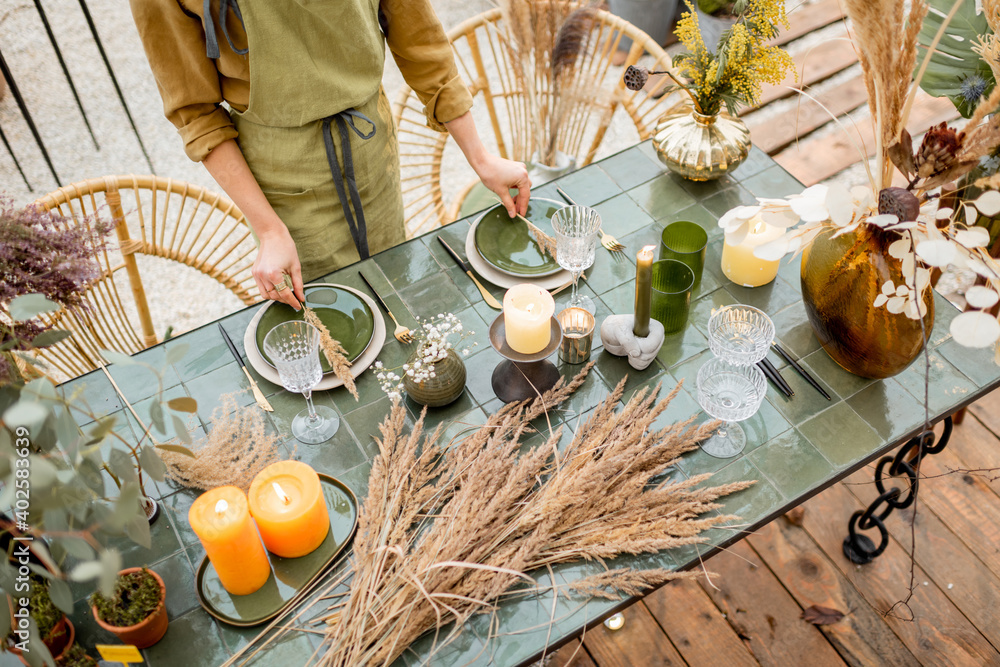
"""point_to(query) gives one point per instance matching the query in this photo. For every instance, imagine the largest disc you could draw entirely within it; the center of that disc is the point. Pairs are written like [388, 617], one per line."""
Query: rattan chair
[153, 217]
[484, 63]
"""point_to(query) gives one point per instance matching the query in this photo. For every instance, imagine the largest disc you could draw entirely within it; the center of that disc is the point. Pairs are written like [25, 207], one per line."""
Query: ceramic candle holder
[619, 340]
[522, 376]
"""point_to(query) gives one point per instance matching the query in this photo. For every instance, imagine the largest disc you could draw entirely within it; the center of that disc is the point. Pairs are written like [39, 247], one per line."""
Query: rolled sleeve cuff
[203, 133]
[448, 103]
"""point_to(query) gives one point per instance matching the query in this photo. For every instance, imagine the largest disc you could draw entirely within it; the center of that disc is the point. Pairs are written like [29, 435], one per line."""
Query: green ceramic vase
[841, 277]
[446, 385]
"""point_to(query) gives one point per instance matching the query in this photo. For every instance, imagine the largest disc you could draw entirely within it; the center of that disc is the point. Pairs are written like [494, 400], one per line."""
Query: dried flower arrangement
[448, 530]
[544, 41]
[333, 351]
[920, 232]
[733, 74]
[42, 253]
[434, 338]
[234, 451]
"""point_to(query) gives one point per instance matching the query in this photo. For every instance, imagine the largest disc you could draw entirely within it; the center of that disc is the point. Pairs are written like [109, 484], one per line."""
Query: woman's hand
[277, 258]
[496, 173]
[500, 176]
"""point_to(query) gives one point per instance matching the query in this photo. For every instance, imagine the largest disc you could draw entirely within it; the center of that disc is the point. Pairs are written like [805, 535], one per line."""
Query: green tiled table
[796, 447]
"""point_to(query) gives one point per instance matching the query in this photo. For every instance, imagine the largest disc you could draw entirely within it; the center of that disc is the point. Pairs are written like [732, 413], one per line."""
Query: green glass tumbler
[672, 284]
[686, 242]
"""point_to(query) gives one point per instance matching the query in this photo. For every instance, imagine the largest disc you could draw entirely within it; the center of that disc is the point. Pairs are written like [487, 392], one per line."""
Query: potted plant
[76, 656]
[698, 140]
[56, 631]
[136, 612]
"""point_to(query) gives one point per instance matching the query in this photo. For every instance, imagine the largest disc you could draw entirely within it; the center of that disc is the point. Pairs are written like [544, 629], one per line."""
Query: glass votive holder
[578, 335]
[673, 281]
[686, 242]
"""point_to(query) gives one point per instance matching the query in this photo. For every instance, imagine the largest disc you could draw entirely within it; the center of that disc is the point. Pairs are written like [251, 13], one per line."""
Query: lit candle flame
[221, 507]
[647, 252]
[758, 228]
[281, 493]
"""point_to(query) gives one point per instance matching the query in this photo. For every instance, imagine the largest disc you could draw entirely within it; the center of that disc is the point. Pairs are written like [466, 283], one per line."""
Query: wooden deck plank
[938, 634]
[639, 642]
[776, 133]
[862, 637]
[805, 18]
[572, 654]
[696, 627]
[818, 159]
[764, 613]
[972, 586]
[814, 65]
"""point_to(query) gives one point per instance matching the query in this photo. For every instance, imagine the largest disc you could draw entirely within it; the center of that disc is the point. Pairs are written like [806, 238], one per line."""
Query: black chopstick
[801, 371]
[775, 377]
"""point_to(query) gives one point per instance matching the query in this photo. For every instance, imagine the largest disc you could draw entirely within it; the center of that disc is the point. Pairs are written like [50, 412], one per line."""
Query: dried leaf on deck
[333, 351]
[819, 615]
[795, 516]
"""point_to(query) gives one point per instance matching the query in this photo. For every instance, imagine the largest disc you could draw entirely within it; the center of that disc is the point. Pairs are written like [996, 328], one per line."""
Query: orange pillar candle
[221, 519]
[288, 504]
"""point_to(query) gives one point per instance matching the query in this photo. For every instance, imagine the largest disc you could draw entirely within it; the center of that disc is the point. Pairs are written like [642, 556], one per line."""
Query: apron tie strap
[345, 119]
[211, 42]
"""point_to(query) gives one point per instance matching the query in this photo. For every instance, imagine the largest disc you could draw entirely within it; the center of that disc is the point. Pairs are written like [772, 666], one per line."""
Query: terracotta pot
[57, 643]
[148, 631]
[841, 277]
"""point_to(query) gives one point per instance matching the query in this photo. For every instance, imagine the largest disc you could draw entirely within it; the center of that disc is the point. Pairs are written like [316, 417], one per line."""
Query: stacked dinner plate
[505, 253]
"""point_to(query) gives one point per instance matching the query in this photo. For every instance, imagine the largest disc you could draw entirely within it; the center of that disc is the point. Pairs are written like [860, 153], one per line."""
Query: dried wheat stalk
[333, 351]
[546, 243]
[449, 529]
[234, 451]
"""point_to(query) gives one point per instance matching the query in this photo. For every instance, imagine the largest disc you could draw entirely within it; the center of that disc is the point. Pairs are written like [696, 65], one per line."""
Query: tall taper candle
[643, 290]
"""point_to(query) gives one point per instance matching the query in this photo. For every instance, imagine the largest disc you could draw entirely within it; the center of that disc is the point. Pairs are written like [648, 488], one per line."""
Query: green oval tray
[346, 316]
[288, 575]
[508, 246]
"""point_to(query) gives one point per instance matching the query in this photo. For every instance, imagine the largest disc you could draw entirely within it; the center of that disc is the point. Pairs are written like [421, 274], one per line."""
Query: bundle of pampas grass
[450, 530]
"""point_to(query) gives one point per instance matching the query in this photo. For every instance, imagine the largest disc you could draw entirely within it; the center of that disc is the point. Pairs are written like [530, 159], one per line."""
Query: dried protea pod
[899, 202]
[636, 77]
[938, 151]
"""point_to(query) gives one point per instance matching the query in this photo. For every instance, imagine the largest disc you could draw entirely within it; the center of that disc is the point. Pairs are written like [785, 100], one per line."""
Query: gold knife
[257, 394]
[490, 300]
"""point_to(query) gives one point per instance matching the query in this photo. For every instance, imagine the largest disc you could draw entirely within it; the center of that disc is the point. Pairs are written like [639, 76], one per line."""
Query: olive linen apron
[318, 133]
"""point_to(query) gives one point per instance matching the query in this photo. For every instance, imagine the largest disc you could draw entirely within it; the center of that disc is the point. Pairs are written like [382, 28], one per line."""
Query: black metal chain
[860, 548]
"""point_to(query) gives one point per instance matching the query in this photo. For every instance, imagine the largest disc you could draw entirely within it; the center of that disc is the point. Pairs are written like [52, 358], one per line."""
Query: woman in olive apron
[315, 163]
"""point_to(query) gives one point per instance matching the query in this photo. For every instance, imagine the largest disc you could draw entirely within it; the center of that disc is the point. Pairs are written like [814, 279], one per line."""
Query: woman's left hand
[500, 176]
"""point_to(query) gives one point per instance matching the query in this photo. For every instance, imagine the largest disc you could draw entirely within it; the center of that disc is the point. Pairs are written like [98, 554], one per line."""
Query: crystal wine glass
[576, 243]
[741, 335]
[294, 349]
[732, 393]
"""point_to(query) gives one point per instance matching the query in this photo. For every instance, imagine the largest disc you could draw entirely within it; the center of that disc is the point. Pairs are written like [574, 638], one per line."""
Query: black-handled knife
[257, 394]
[566, 197]
[490, 300]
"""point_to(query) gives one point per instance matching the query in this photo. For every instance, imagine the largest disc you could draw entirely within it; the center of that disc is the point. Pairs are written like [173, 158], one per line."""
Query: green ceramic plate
[345, 314]
[508, 246]
[288, 575]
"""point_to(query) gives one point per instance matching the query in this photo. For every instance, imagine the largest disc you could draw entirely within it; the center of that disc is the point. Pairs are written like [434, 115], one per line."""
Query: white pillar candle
[527, 314]
[738, 261]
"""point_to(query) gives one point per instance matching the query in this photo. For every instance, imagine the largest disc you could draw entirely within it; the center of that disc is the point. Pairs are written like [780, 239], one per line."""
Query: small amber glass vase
[841, 278]
[701, 147]
[446, 385]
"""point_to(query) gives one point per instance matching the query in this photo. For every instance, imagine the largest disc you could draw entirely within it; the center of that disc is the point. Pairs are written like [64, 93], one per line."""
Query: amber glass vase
[841, 277]
[700, 147]
[442, 389]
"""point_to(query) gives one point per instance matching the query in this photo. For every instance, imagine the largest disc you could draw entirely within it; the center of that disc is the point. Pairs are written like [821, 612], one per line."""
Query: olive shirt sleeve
[423, 53]
[187, 80]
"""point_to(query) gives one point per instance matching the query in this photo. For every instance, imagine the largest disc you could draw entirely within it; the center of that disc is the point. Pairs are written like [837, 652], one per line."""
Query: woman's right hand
[276, 258]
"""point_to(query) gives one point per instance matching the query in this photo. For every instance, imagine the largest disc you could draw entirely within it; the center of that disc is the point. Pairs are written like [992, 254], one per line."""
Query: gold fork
[610, 243]
[402, 334]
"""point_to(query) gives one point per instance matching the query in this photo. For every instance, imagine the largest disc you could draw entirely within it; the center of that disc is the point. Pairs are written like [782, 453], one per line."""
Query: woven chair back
[483, 53]
[157, 220]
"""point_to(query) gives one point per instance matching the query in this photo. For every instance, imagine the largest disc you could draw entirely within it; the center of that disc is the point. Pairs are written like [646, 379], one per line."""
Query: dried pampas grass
[333, 351]
[448, 530]
[546, 243]
[234, 451]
